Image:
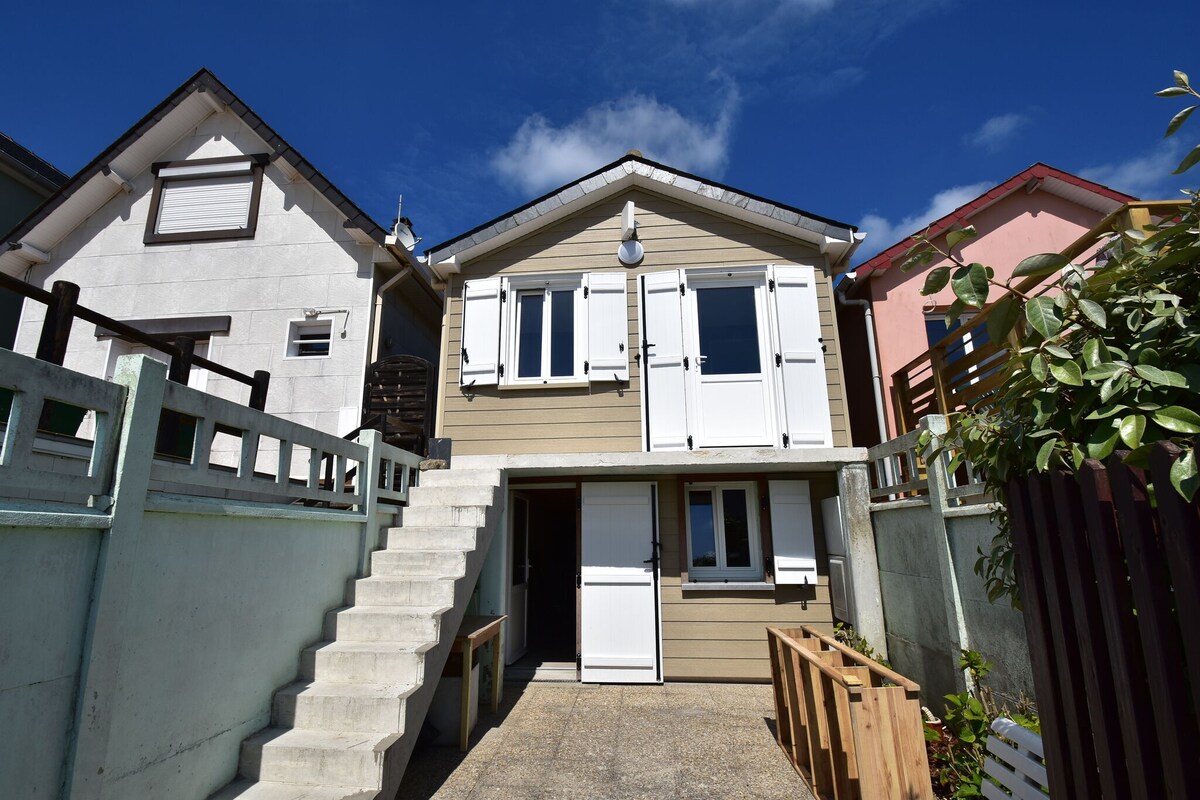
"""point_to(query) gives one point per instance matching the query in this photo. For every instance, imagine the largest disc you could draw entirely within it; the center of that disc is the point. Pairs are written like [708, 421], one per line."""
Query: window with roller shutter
[205, 199]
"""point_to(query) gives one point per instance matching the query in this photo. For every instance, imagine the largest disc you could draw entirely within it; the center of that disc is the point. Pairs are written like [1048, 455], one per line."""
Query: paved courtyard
[580, 742]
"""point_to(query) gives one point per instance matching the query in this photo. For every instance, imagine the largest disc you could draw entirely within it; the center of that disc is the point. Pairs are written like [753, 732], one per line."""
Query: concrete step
[314, 758]
[401, 624]
[446, 516]
[451, 496]
[389, 590]
[364, 662]
[460, 477]
[418, 563]
[418, 537]
[270, 790]
[329, 706]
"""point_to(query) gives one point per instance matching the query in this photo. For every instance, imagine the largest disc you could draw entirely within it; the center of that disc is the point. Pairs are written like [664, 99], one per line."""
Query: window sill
[511, 387]
[731, 586]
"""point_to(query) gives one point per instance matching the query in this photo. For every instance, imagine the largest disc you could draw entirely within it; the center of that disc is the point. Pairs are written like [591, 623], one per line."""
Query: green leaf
[936, 280]
[1184, 475]
[1181, 79]
[1178, 120]
[955, 311]
[1102, 371]
[970, 284]
[1044, 453]
[1043, 316]
[1040, 368]
[960, 235]
[1171, 91]
[1159, 376]
[1093, 311]
[1188, 162]
[1002, 318]
[1178, 419]
[1102, 442]
[1040, 265]
[917, 259]
[1057, 352]
[1067, 373]
[1077, 455]
[1092, 353]
[1131, 429]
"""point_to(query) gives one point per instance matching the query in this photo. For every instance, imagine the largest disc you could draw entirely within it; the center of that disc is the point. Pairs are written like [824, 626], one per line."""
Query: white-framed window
[544, 330]
[202, 199]
[724, 540]
[309, 338]
[547, 330]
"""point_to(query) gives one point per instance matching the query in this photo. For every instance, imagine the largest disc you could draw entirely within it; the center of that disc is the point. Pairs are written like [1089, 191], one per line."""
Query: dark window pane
[728, 330]
[704, 539]
[529, 341]
[737, 528]
[562, 333]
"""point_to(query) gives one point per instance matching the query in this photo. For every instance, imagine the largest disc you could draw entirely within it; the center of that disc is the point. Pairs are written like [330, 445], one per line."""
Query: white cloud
[882, 233]
[1147, 175]
[540, 155]
[997, 131]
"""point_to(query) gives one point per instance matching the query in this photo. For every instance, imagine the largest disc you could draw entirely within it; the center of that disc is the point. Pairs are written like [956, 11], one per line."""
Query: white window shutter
[209, 204]
[479, 356]
[792, 533]
[663, 376]
[608, 327]
[801, 361]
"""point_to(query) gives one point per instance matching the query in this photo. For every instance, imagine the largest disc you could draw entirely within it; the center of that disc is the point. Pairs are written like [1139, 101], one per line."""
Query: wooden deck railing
[960, 371]
[851, 727]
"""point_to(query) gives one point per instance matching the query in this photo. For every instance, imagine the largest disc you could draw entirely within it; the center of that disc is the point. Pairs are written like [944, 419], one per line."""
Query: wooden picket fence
[1110, 584]
[851, 727]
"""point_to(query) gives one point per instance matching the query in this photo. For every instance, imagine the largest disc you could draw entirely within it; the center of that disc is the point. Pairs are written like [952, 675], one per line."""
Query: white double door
[620, 630]
[734, 358]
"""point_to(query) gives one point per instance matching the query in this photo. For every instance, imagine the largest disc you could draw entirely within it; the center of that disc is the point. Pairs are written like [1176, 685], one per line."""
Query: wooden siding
[497, 420]
[722, 635]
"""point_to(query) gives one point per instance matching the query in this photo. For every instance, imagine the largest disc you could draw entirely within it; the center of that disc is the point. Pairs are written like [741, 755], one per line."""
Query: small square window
[723, 532]
[309, 339]
[201, 199]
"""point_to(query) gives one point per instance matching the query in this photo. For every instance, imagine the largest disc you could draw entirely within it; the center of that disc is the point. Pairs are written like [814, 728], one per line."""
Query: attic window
[205, 199]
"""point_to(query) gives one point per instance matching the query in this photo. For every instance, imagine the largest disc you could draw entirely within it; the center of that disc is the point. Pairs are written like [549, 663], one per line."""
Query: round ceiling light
[631, 252]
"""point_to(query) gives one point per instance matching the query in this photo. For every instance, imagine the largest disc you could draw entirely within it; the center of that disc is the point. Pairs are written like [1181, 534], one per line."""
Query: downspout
[876, 376]
[395, 280]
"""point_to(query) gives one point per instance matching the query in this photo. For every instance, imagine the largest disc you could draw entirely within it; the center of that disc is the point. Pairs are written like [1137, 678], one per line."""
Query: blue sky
[878, 113]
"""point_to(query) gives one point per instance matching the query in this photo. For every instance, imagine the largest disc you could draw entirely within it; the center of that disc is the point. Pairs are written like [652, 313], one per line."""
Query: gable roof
[1056, 181]
[200, 95]
[28, 165]
[630, 170]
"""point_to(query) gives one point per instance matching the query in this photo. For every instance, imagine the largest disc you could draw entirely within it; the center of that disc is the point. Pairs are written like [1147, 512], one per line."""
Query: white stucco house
[202, 221]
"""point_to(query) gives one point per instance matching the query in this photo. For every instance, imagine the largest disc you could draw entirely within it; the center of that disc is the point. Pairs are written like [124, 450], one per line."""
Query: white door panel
[620, 633]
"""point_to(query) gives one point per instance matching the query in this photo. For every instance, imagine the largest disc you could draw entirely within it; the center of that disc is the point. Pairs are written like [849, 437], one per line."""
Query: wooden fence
[851, 727]
[1108, 563]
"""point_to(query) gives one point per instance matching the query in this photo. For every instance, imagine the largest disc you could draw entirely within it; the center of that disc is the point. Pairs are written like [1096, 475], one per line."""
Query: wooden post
[468, 691]
[258, 392]
[937, 363]
[498, 670]
[56, 328]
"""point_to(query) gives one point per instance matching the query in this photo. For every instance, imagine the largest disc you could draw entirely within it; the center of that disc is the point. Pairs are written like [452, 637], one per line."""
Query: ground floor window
[723, 535]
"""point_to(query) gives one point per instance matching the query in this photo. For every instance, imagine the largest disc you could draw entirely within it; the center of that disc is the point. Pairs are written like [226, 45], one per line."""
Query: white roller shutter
[792, 533]
[479, 354]
[800, 360]
[608, 327]
[662, 367]
[206, 204]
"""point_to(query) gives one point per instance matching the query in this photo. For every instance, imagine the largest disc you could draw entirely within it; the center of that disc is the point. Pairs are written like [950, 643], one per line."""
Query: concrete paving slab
[581, 742]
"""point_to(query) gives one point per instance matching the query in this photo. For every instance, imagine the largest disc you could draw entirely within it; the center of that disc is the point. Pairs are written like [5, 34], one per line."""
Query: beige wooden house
[652, 358]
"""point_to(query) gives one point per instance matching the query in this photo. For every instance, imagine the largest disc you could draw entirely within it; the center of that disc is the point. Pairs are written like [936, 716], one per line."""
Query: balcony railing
[963, 369]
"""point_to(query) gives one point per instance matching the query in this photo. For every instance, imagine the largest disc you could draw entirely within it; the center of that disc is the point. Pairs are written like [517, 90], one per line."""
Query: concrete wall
[45, 586]
[935, 605]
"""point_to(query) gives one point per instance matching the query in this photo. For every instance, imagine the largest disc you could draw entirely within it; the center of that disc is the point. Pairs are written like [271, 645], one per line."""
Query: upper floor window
[545, 346]
[205, 198]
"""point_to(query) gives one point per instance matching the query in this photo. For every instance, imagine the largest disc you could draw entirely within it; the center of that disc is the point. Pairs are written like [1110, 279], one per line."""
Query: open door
[621, 640]
[517, 640]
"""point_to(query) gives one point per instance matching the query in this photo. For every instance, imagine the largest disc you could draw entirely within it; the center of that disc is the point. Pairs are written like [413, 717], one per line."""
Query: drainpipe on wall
[876, 376]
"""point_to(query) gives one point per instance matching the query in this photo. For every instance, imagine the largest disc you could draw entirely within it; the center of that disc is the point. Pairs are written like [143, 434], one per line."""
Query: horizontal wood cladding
[605, 417]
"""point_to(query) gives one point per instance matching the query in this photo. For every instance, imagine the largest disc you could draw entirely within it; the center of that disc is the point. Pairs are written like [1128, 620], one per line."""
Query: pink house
[1039, 210]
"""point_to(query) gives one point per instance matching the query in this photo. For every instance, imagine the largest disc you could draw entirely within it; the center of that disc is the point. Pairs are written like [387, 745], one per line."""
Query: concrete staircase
[346, 729]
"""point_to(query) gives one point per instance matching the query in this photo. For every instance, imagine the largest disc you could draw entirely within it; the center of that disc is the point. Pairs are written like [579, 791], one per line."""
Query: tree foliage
[1108, 361]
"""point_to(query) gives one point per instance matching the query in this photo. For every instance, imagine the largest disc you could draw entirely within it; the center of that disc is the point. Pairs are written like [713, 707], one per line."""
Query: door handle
[701, 359]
